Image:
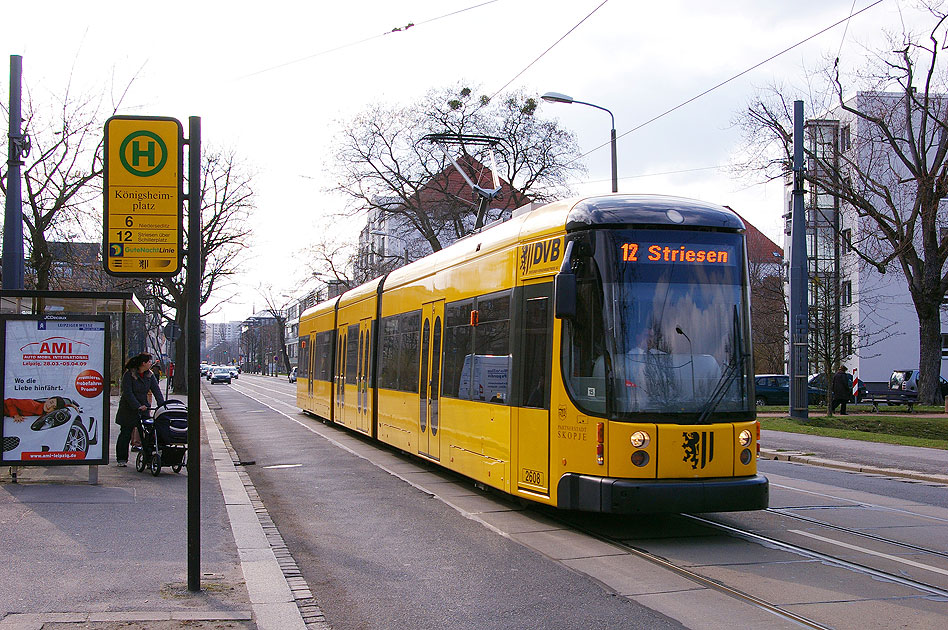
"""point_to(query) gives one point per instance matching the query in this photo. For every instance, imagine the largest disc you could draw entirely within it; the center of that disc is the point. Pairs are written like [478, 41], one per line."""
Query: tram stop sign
[142, 223]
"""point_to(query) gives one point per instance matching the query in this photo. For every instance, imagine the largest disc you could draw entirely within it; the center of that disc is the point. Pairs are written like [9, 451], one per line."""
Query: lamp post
[691, 351]
[556, 97]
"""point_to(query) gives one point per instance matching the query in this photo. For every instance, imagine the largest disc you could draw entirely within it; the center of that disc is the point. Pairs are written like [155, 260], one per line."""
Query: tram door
[536, 339]
[362, 376]
[429, 385]
[339, 379]
[312, 360]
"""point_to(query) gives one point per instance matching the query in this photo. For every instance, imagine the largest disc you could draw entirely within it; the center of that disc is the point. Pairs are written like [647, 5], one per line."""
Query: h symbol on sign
[149, 153]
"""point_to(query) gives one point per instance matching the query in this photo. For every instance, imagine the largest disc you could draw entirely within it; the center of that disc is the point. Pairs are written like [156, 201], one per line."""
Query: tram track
[861, 534]
[693, 576]
[927, 590]
[741, 593]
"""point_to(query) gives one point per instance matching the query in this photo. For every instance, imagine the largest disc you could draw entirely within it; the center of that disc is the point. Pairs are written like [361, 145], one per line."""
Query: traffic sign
[142, 225]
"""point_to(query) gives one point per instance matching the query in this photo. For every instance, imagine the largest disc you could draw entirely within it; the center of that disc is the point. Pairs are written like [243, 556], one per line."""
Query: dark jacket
[842, 386]
[135, 394]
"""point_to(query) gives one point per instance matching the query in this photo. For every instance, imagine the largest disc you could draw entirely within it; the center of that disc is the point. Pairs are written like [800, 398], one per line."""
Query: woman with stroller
[137, 382]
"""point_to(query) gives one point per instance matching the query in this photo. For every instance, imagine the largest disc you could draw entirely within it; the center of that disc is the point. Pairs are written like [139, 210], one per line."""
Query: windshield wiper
[724, 383]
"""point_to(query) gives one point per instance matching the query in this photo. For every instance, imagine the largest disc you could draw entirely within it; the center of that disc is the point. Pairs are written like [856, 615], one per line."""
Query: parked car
[220, 375]
[774, 389]
[907, 381]
[818, 381]
[292, 375]
[234, 372]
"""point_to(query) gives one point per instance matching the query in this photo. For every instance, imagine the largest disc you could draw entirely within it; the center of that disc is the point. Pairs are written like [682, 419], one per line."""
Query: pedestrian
[137, 381]
[842, 389]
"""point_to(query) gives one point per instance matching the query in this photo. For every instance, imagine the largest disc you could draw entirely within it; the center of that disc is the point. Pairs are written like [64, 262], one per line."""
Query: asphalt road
[379, 553]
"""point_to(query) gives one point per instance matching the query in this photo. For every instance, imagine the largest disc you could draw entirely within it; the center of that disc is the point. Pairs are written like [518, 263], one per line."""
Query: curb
[272, 598]
[802, 458]
[31, 621]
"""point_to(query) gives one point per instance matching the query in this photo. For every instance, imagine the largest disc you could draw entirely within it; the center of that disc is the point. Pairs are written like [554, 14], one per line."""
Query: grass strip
[908, 431]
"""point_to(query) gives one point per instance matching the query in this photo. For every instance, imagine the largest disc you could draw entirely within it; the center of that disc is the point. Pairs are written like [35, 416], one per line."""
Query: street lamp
[691, 351]
[556, 97]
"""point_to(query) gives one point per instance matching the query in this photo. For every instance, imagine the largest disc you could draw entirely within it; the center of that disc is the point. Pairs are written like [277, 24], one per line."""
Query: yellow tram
[589, 354]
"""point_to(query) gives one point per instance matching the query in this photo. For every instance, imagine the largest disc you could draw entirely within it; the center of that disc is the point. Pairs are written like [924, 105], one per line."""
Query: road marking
[284, 466]
[855, 503]
[870, 552]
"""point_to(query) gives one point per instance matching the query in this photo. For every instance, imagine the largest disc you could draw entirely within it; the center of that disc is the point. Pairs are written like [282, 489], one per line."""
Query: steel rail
[816, 555]
[698, 578]
[855, 532]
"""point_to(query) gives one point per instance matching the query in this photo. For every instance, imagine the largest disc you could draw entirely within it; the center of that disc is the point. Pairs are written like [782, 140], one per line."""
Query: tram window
[536, 358]
[388, 368]
[398, 368]
[457, 344]
[409, 341]
[303, 360]
[490, 380]
[352, 354]
[322, 364]
[583, 347]
[492, 333]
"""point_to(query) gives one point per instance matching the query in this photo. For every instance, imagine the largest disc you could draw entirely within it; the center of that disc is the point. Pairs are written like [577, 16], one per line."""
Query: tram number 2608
[532, 477]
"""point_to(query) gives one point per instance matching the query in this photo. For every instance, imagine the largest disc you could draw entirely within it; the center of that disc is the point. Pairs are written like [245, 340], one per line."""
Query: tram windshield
[660, 325]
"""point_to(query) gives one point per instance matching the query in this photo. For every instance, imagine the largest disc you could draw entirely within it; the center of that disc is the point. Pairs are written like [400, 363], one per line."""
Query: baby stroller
[164, 438]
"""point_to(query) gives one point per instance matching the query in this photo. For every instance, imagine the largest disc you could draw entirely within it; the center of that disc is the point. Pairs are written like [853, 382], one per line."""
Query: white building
[217, 332]
[876, 322]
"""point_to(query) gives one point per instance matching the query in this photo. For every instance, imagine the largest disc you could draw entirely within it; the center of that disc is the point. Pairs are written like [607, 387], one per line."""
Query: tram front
[656, 350]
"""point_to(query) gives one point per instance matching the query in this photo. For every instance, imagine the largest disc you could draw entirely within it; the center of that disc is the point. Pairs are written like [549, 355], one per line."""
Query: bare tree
[277, 307]
[227, 201]
[892, 171]
[62, 173]
[768, 318]
[385, 166]
[336, 264]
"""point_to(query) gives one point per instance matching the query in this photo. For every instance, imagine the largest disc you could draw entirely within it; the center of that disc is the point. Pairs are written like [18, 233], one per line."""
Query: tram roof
[633, 210]
[576, 213]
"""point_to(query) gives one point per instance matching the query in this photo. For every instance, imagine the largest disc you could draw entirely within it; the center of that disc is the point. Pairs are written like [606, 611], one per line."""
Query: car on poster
[62, 429]
[55, 390]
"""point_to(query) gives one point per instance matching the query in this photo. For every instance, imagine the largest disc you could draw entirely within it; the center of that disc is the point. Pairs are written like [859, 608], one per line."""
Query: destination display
[143, 231]
[638, 252]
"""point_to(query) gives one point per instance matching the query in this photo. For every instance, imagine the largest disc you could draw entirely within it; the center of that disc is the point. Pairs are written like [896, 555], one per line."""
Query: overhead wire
[733, 78]
[398, 29]
[552, 46]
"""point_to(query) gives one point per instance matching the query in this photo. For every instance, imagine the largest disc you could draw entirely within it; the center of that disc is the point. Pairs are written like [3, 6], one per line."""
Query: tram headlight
[640, 458]
[640, 439]
[745, 438]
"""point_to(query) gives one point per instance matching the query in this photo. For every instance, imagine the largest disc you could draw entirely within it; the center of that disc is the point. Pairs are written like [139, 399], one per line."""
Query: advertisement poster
[55, 390]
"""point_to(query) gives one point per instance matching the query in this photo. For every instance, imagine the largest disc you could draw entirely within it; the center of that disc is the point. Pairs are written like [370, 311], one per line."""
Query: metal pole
[13, 217]
[615, 167]
[193, 366]
[799, 315]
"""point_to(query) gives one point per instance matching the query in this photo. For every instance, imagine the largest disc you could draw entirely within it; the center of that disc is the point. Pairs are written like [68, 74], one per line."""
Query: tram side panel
[432, 399]
[397, 381]
[314, 381]
[352, 375]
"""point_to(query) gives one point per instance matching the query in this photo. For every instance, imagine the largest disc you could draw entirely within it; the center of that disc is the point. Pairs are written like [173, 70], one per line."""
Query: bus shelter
[124, 309]
[63, 355]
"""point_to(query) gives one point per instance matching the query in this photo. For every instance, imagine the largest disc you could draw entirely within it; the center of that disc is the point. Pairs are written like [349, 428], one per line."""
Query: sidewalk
[114, 554]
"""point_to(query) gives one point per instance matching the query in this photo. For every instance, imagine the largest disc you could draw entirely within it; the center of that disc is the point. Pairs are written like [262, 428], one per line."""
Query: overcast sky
[271, 80]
